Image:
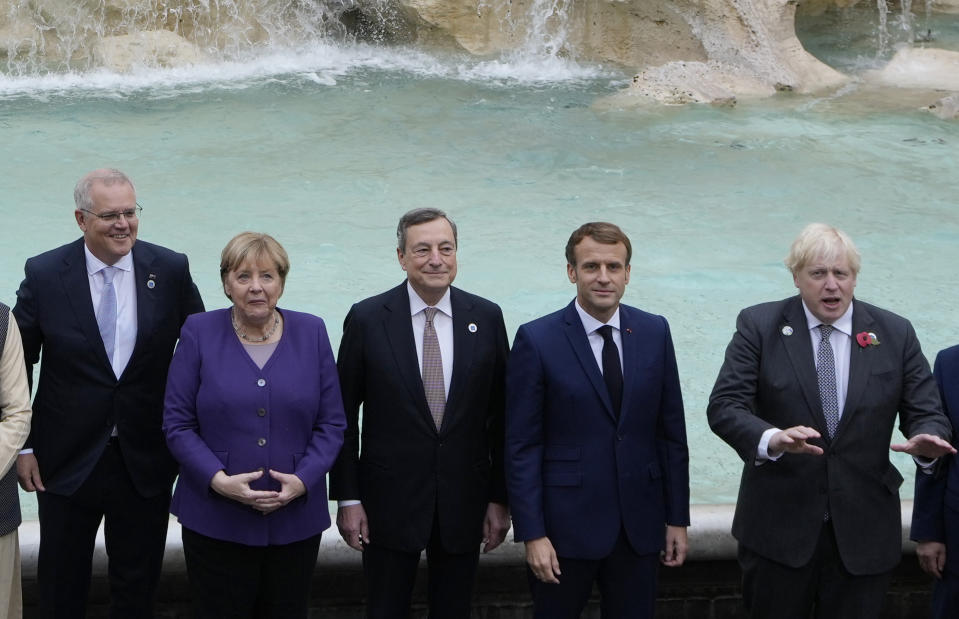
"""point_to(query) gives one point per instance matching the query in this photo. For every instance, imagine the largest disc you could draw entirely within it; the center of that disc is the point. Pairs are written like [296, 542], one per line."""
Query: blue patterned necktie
[826, 368]
[433, 370]
[107, 312]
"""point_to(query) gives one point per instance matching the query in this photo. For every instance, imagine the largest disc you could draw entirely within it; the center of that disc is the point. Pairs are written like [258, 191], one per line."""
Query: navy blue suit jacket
[935, 513]
[78, 398]
[574, 472]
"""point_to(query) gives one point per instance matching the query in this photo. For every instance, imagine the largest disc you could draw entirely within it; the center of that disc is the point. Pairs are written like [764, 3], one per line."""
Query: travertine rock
[156, 48]
[946, 108]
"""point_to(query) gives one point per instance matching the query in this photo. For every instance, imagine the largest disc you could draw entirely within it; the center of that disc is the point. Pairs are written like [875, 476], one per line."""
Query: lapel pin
[787, 330]
[151, 282]
[471, 327]
[628, 330]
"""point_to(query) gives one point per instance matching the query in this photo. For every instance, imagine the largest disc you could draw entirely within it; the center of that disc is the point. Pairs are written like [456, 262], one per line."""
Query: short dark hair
[601, 232]
[420, 216]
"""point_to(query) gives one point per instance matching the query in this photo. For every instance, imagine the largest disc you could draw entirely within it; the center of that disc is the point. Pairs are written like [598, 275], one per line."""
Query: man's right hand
[932, 557]
[351, 521]
[793, 440]
[541, 558]
[28, 472]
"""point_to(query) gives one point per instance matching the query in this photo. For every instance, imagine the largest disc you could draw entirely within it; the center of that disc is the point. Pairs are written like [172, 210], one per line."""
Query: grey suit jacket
[768, 379]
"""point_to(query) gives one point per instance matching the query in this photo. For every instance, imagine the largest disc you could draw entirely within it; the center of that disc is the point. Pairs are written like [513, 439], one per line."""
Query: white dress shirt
[442, 323]
[126, 293]
[591, 325]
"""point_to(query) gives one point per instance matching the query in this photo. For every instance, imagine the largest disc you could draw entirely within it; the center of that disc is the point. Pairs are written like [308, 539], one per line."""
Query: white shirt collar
[843, 324]
[591, 324]
[95, 265]
[417, 304]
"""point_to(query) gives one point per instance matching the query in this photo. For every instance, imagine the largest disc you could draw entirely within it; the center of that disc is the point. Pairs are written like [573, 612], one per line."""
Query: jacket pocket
[563, 453]
[892, 479]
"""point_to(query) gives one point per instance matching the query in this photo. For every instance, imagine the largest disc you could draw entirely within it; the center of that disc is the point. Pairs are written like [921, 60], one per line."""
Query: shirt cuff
[26, 450]
[347, 503]
[762, 452]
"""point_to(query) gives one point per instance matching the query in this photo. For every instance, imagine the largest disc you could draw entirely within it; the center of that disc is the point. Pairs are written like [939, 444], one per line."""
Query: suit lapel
[143, 272]
[632, 361]
[799, 350]
[464, 341]
[399, 332]
[76, 284]
[860, 365]
[580, 343]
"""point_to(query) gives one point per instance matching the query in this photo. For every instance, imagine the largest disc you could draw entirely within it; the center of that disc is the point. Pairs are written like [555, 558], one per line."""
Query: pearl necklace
[254, 340]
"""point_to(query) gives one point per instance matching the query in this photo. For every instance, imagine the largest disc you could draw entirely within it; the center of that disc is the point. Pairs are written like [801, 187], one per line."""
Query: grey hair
[107, 176]
[420, 216]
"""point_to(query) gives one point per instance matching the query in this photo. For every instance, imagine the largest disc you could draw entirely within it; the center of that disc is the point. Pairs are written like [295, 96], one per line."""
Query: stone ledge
[709, 540]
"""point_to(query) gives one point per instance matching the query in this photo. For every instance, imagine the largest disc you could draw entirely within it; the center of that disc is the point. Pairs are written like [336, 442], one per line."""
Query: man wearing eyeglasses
[106, 317]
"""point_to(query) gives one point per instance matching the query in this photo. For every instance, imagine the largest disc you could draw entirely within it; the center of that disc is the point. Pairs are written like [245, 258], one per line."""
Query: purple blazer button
[261, 442]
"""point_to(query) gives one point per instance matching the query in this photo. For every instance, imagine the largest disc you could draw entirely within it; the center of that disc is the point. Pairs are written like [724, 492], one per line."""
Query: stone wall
[707, 587]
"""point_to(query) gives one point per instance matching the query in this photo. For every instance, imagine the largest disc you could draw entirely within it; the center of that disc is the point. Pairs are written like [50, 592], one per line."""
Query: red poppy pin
[867, 338]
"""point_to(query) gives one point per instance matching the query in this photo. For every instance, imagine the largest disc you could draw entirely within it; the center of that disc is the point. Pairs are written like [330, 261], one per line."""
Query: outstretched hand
[925, 446]
[793, 440]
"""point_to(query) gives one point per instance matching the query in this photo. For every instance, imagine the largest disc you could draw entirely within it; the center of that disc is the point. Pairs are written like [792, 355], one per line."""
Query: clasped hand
[237, 487]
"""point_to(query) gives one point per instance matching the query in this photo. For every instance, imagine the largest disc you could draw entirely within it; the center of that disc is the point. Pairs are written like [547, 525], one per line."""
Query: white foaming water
[319, 62]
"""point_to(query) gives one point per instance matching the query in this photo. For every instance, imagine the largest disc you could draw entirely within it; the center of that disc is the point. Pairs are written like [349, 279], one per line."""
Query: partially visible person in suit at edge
[106, 312]
[426, 361]
[935, 512]
[808, 397]
[597, 461]
[14, 428]
[254, 416]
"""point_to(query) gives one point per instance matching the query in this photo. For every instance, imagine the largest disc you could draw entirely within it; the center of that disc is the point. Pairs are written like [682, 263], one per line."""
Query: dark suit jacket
[78, 398]
[769, 380]
[935, 513]
[407, 471]
[574, 473]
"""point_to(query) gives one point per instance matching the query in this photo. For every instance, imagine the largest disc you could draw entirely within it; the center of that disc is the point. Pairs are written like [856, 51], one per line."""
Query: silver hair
[107, 176]
[416, 217]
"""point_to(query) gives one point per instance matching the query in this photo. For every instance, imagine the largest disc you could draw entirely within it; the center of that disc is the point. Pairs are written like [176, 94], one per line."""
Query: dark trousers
[822, 588]
[945, 596]
[391, 574]
[626, 580]
[234, 581]
[135, 535]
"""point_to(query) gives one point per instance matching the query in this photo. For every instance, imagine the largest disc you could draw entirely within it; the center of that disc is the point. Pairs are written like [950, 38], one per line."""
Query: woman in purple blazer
[253, 414]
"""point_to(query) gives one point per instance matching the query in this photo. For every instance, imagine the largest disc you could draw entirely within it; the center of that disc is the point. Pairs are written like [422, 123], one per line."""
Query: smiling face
[600, 275]
[429, 258]
[826, 286]
[109, 241]
[254, 287]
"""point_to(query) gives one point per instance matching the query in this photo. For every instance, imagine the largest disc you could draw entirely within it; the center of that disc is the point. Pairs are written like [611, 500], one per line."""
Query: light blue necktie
[107, 313]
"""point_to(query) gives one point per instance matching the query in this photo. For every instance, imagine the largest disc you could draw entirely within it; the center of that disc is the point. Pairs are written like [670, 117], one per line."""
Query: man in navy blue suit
[597, 461]
[935, 513]
[106, 315]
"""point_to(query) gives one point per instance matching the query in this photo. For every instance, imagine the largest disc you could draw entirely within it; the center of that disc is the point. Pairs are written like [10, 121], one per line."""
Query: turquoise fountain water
[325, 144]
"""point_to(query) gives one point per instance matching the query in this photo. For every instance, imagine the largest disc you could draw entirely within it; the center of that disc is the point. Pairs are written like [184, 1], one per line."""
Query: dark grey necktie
[826, 369]
[612, 371]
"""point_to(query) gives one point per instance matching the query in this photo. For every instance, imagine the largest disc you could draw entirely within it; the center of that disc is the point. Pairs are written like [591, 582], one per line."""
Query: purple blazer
[222, 412]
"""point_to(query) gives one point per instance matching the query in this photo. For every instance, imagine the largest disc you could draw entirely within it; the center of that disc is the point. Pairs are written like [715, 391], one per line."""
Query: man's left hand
[925, 446]
[676, 545]
[495, 525]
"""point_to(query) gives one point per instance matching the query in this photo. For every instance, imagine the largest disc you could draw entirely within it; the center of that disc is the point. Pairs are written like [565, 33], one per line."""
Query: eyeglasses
[114, 216]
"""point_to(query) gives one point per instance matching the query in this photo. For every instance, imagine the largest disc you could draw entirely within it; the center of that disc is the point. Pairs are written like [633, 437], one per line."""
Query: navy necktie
[612, 370]
[826, 369]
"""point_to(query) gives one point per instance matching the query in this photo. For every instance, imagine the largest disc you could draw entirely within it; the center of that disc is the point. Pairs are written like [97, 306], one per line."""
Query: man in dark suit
[597, 462]
[935, 512]
[426, 361]
[106, 316]
[808, 396]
